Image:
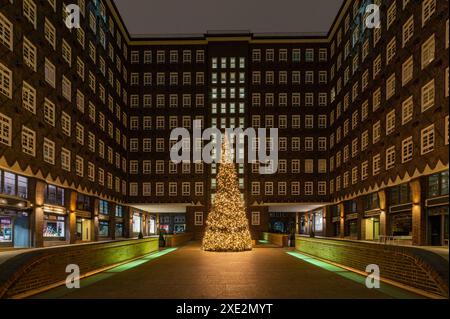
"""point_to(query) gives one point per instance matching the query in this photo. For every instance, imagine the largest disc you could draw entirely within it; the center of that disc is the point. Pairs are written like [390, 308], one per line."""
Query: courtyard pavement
[190, 273]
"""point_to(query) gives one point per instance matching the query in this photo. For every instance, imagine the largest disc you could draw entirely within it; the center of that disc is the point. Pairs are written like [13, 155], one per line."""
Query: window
[407, 149]
[407, 110]
[428, 8]
[407, 71]
[49, 151]
[29, 12]
[29, 54]
[408, 30]
[5, 81]
[28, 141]
[65, 159]
[428, 51]
[427, 140]
[50, 33]
[390, 122]
[428, 96]
[50, 73]
[6, 32]
[390, 157]
[256, 218]
[5, 129]
[198, 219]
[29, 97]
[390, 87]
[49, 112]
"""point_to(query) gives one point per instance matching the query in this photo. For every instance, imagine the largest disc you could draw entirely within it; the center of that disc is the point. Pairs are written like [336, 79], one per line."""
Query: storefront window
[54, 226]
[5, 230]
[438, 185]
[371, 202]
[54, 195]
[400, 194]
[119, 230]
[401, 224]
[351, 206]
[104, 207]
[103, 228]
[83, 203]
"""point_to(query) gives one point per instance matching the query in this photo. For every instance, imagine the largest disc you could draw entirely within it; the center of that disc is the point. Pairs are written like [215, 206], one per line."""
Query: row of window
[295, 190]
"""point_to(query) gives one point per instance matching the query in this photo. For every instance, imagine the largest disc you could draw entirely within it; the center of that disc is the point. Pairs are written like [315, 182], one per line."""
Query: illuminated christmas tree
[227, 225]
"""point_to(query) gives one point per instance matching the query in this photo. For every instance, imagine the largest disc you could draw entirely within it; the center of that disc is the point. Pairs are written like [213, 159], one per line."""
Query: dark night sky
[178, 17]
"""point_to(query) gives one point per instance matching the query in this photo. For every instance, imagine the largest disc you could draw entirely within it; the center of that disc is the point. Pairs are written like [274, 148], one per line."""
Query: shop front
[14, 211]
[437, 209]
[318, 222]
[172, 223]
[282, 223]
[371, 224]
[84, 223]
[55, 226]
[400, 211]
[55, 229]
[119, 227]
[14, 228]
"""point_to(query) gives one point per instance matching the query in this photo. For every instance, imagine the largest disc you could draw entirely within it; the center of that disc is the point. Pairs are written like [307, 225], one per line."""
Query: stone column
[418, 213]
[37, 220]
[383, 214]
[72, 217]
[342, 222]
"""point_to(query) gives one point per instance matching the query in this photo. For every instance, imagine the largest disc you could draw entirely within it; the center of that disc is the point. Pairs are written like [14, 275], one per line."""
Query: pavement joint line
[352, 274]
[99, 275]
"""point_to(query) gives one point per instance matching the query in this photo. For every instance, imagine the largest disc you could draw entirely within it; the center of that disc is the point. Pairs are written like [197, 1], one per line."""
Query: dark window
[83, 202]
[104, 207]
[371, 202]
[400, 194]
[54, 195]
[437, 185]
[13, 185]
[351, 207]
[119, 211]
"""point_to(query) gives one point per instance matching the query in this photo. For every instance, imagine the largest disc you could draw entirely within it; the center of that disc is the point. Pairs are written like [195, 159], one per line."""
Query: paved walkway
[189, 273]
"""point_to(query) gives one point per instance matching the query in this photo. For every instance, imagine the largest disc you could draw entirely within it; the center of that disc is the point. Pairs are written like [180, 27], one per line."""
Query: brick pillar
[328, 222]
[418, 213]
[112, 221]
[126, 221]
[383, 214]
[72, 217]
[297, 223]
[342, 222]
[96, 212]
[359, 209]
[37, 220]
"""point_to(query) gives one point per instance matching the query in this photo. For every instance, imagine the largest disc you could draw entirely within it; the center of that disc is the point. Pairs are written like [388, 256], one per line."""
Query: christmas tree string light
[227, 225]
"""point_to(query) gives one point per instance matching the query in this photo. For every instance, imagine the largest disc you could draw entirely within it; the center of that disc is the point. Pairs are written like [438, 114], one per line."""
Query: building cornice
[207, 38]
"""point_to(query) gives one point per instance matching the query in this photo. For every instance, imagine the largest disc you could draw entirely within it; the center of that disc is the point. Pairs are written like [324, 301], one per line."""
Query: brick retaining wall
[44, 267]
[276, 239]
[177, 239]
[410, 266]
